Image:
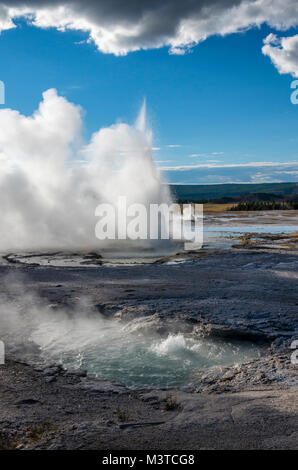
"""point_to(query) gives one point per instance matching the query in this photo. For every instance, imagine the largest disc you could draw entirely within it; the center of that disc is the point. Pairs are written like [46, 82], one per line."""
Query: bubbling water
[79, 337]
[110, 351]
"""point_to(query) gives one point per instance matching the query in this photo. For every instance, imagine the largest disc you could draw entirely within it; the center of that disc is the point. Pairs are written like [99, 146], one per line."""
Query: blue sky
[219, 108]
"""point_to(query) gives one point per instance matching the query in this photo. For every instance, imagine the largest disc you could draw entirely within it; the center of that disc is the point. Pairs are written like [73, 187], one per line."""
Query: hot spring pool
[117, 353]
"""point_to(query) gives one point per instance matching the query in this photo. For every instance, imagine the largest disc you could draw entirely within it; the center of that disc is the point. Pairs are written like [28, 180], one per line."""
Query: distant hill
[234, 192]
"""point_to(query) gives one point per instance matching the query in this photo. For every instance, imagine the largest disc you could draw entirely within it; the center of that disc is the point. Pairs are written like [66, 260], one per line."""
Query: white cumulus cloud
[283, 52]
[122, 26]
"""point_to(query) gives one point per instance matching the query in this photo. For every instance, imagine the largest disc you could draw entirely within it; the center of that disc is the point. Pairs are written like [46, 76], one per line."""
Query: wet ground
[245, 293]
[221, 231]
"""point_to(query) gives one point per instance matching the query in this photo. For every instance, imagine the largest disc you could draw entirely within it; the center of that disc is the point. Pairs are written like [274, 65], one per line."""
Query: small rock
[27, 401]
[77, 372]
[50, 379]
[50, 371]
[110, 422]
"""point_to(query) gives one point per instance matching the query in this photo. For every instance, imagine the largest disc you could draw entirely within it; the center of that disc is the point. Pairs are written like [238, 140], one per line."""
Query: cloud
[283, 53]
[5, 19]
[174, 146]
[252, 172]
[229, 165]
[177, 51]
[119, 27]
[206, 155]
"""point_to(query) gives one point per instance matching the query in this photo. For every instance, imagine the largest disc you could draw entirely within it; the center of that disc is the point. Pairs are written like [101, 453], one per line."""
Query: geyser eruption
[51, 182]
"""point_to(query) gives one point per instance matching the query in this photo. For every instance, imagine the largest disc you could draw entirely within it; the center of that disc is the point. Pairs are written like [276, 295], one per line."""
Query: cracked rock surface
[241, 294]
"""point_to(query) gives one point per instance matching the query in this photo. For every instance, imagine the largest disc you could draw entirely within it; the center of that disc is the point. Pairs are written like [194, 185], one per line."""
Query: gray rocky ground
[241, 293]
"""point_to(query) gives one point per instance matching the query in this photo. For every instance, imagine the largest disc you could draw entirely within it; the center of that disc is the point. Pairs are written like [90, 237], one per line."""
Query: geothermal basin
[110, 351]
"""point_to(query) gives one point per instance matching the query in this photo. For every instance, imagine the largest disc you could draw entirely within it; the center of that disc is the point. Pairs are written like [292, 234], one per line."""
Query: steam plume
[51, 183]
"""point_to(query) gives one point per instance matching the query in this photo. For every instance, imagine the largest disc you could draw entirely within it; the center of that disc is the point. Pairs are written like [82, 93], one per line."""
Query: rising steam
[77, 336]
[51, 183]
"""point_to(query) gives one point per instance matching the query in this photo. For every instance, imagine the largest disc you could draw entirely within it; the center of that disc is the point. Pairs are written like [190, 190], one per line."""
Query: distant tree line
[265, 206]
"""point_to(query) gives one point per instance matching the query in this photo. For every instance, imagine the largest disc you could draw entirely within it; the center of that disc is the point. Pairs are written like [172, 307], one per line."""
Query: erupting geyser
[51, 183]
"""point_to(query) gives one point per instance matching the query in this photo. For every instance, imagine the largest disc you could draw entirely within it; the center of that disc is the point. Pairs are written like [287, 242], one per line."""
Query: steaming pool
[120, 354]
